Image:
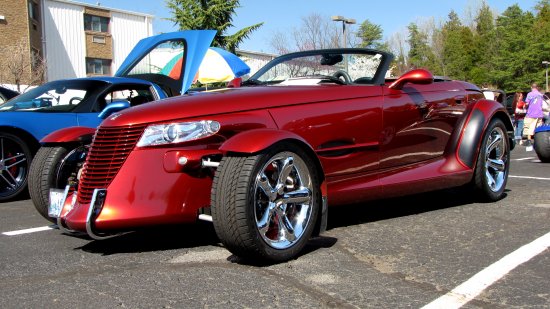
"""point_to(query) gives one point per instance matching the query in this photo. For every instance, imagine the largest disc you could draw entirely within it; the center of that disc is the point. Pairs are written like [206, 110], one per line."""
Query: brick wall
[14, 29]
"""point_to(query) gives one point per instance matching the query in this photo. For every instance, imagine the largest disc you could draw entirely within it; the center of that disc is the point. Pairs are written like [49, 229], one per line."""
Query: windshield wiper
[252, 82]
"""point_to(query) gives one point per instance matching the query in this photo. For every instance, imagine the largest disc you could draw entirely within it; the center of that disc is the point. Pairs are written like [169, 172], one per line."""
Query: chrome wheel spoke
[263, 184]
[265, 220]
[497, 139]
[17, 162]
[497, 165]
[11, 181]
[301, 196]
[490, 180]
[284, 172]
[286, 230]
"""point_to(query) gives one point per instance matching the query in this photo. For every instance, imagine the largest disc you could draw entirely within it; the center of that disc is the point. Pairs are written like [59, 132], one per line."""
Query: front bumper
[145, 192]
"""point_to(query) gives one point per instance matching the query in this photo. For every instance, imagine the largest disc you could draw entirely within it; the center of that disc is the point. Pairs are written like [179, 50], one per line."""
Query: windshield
[316, 67]
[165, 59]
[61, 96]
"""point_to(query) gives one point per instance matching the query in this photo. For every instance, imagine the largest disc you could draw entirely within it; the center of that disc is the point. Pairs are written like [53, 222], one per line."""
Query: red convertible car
[263, 159]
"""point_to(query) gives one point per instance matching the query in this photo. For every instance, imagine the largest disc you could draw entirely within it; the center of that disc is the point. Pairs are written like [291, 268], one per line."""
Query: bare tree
[315, 32]
[398, 45]
[21, 66]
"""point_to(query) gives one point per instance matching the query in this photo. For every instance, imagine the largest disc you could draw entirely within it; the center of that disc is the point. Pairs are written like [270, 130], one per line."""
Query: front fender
[476, 123]
[82, 135]
[257, 140]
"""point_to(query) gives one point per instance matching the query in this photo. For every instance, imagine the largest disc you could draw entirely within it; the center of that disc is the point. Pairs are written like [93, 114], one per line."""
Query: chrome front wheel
[265, 206]
[283, 200]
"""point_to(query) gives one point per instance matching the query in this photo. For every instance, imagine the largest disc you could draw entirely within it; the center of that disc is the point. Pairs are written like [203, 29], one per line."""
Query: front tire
[265, 206]
[493, 163]
[15, 158]
[53, 167]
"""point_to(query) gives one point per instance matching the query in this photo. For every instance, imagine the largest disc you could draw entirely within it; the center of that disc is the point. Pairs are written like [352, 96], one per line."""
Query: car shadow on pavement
[202, 233]
[376, 210]
[156, 239]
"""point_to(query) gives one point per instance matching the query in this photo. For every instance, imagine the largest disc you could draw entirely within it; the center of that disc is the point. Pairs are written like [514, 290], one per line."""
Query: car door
[418, 122]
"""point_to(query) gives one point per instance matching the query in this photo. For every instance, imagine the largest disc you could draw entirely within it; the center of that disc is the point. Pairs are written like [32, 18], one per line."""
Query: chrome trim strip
[89, 228]
[208, 163]
[205, 217]
[59, 221]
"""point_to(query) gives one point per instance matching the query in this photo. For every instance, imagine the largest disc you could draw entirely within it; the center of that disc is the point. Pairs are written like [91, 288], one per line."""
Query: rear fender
[254, 141]
[83, 135]
[474, 128]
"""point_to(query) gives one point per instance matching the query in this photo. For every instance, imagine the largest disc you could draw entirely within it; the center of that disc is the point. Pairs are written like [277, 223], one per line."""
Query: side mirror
[235, 82]
[114, 107]
[417, 76]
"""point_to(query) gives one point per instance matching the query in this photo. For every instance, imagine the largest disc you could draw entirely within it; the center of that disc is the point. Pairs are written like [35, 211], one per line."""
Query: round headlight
[213, 126]
[170, 133]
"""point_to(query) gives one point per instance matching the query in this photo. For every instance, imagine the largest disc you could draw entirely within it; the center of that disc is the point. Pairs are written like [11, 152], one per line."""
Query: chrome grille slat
[110, 148]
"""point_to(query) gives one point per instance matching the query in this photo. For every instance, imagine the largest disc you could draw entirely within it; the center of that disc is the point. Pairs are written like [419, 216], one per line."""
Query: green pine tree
[210, 14]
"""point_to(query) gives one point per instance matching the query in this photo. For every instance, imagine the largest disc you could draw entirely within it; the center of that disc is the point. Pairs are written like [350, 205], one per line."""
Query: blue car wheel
[542, 143]
[15, 158]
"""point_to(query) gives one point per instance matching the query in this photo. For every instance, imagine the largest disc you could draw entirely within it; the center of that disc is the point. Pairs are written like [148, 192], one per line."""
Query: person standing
[534, 115]
[518, 105]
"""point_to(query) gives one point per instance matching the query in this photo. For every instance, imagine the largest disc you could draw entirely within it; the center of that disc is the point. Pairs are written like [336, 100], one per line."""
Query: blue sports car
[27, 118]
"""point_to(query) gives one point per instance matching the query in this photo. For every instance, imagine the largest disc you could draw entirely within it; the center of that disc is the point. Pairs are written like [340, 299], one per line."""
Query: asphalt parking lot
[396, 253]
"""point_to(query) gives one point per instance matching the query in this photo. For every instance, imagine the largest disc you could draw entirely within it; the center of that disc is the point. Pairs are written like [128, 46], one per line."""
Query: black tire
[15, 161]
[238, 199]
[53, 167]
[542, 146]
[493, 162]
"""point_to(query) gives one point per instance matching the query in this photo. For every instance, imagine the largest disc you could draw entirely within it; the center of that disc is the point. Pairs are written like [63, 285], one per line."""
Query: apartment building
[76, 39]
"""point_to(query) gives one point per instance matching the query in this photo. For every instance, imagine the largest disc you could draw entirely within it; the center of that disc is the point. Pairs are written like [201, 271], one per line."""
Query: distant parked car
[501, 97]
[29, 117]
[6, 94]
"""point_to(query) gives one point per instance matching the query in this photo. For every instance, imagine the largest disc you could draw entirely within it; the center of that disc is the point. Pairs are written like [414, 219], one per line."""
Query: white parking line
[27, 231]
[522, 159]
[468, 290]
[529, 177]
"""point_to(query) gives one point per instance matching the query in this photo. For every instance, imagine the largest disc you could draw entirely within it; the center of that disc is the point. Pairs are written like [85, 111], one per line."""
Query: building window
[33, 10]
[98, 39]
[97, 66]
[96, 23]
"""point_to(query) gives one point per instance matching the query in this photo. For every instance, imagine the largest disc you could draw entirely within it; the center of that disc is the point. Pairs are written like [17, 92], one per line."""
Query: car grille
[110, 148]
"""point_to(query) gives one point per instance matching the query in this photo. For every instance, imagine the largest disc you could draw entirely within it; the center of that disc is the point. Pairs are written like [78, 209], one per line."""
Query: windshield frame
[378, 78]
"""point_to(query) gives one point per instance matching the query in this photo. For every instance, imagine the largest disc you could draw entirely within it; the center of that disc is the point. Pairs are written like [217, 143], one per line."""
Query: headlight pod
[173, 133]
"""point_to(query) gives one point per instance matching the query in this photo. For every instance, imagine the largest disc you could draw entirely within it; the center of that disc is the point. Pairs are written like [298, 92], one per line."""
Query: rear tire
[51, 168]
[493, 162]
[264, 206]
[542, 146]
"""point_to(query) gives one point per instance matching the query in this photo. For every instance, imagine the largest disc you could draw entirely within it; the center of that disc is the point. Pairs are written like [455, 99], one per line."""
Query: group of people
[529, 114]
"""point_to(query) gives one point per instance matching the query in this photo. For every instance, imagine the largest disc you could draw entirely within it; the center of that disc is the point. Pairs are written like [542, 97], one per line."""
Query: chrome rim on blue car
[14, 166]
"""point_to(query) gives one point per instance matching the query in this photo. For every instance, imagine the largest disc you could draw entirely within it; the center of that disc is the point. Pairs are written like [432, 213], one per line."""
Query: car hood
[196, 44]
[234, 100]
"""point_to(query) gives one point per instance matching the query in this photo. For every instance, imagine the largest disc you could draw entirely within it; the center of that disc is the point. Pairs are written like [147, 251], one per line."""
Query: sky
[284, 15]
